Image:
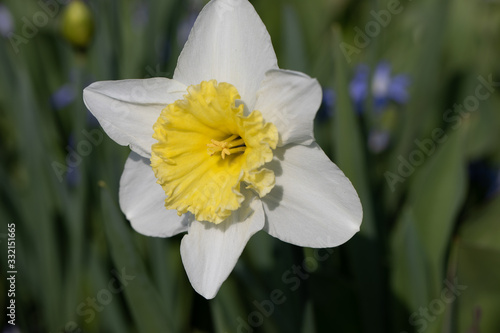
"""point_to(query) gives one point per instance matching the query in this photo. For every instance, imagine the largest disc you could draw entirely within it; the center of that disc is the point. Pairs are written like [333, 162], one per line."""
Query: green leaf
[409, 262]
[294, 56]
[421, 239]
[148, 310]
[111, 317]
[349, 142]
[364, 248]
[227, 310]
[436, 196]
[168, 274]
[308, 323]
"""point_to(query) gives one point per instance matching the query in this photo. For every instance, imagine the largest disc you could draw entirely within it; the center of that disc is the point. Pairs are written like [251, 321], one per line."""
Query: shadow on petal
[275, 197]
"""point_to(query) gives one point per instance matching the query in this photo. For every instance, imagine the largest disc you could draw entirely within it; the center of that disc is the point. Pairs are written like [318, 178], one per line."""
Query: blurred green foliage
[427, 258]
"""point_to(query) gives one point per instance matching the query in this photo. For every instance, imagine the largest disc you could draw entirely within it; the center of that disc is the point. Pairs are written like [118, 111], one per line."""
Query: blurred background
[410, 113]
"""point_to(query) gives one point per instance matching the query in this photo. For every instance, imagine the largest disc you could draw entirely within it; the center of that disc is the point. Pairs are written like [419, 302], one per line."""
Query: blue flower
[386, 88]
[358, 88]
[383, 87]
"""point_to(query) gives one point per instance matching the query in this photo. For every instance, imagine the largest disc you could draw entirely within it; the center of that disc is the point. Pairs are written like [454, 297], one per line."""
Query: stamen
[233, 144]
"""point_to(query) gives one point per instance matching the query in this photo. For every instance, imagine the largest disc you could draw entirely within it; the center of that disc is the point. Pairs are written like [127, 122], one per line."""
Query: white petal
[228, 43]
[210, 252]
[142, 201]
[290, 101]
[127, 109]
[313, 204]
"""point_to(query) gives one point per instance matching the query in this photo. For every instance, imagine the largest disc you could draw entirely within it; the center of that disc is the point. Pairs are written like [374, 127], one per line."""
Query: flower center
[233, 144]
[192, 133]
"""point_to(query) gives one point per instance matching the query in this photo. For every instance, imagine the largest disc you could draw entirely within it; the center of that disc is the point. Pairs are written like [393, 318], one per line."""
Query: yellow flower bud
[77, 24]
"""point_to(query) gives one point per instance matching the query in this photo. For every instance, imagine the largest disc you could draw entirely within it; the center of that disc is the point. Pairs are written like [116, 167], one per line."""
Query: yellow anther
[233, 144]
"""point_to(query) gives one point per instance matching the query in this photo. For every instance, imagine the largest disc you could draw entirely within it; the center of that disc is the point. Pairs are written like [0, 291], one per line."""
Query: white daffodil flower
[225, 149]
